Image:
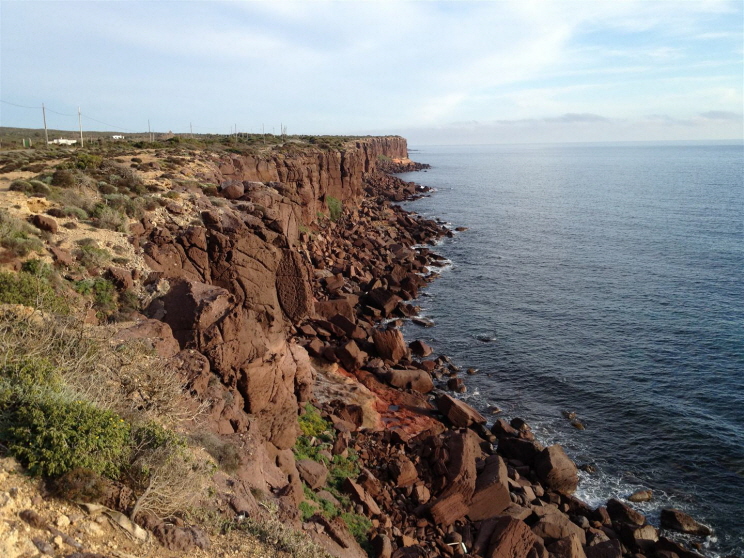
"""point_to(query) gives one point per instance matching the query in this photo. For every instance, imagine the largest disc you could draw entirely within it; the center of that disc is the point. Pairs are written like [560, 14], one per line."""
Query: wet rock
[624, 514]
[680, 521]
[525, 451]
[641, 496]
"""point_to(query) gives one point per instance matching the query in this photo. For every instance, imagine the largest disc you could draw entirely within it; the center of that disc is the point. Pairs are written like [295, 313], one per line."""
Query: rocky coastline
[279, 290]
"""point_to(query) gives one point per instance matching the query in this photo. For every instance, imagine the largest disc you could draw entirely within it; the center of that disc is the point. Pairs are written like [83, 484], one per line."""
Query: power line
[15, 105]
[62, 113]
[107, 124]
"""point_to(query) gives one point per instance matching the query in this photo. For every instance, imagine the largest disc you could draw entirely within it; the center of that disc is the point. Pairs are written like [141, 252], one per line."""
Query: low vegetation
[315, 442]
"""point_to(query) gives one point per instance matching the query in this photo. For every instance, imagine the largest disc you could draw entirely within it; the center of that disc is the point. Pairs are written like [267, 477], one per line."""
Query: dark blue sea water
[609, 281]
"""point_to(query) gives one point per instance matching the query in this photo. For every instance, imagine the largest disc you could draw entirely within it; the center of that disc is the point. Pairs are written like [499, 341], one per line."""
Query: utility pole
[80, 123]
[191, 130]
[46, 132]
[263, 133]
[149, 134]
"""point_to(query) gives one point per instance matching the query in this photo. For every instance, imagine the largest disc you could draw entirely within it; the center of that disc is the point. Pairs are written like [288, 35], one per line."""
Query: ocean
[608, 281]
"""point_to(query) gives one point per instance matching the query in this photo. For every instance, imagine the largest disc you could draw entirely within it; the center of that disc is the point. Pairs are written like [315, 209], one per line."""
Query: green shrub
[86, 161]
[358, 526]
[335, 207]
[91, 256]
[17, 236]
[64, 178]
[109, 218]
[103, 292]
[31, 290]
[51, 434]
[311, 423]
[106, 188]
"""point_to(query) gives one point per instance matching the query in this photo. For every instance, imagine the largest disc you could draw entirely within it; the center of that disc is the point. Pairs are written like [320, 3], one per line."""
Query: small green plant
[103, 292]
[64, 178]
[335, 207]
[30, 187]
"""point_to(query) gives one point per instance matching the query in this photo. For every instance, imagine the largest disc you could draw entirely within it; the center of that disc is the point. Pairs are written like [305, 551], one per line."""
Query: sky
[462, 72]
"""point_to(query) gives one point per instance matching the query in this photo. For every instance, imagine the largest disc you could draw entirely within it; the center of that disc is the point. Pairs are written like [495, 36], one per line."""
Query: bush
[103, 292]
[18, 237]
[109, 218]
[86, 161]
[64, 178]
[225, 454]
[51, 434]
[335, 207]
[91, 256]
[31, 290]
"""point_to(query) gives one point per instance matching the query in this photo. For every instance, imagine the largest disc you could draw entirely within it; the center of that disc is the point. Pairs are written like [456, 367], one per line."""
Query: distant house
[117, 137]
[63, 142]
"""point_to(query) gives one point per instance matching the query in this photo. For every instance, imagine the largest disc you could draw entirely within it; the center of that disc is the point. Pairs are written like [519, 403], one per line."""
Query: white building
[63, 142]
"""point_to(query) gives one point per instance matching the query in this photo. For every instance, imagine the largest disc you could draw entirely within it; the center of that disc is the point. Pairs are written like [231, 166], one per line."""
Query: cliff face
[311, 177]
[237, 284]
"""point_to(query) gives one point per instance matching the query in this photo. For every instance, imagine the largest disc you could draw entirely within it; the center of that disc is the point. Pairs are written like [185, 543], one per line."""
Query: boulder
[402, 471]
[641, 538]
[232, 189]
[62, 257]
[640, 496]
[383, 300]
[555, 526]
[556, 470]
[523, 450]
[390, 344]
[458, 412]
[680, 521]
[313, 473]
[351, 356]
[445, 511]
[360, 496]
[606, 549]
[511, 538]
[155, 333]
[420, 349]
[491, 496]
[417, 380]
[622, 513]
[44, 223]
[121, 278]
[328, 308]
[568, 547]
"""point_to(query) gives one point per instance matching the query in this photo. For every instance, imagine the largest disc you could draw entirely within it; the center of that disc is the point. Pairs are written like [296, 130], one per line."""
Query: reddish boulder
[556, 470]
[491, 496]
[568, 547]
[420, 349]
[154, 332]
[121, 278]
[556, 526]
[232, 189]
[44, 223]
[606, 549]
[402, 471]
[390, 344]
[417, 380]
[458, 412]
[351, 356]
[511, 538]
[293, 286]
[622, 513]
[383, 300]
[329, 308]
[313, 473]
[445, 511]
[62, 257]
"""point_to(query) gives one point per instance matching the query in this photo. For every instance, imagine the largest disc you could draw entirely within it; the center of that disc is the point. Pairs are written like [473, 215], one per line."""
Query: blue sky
[435, 72]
